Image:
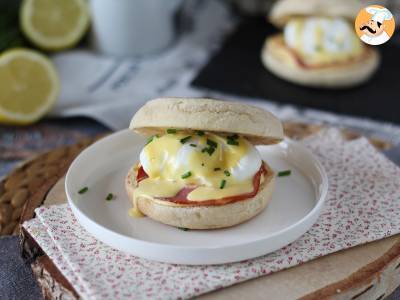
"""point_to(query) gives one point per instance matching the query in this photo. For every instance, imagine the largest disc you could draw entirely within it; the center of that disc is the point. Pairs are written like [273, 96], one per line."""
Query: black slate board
[237, 69]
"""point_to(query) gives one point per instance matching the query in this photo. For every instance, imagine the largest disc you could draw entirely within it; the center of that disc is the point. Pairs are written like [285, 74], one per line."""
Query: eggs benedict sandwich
[318, 46]
[200, 168]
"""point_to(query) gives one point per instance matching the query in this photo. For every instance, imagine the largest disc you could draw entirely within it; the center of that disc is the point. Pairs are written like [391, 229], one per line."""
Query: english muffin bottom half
[283, 62]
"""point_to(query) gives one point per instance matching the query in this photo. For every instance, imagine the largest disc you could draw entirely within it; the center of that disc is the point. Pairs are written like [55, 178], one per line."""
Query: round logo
[374, 25]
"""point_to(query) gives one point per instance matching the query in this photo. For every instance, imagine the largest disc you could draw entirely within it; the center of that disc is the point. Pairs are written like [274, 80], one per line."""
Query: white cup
[132, 27]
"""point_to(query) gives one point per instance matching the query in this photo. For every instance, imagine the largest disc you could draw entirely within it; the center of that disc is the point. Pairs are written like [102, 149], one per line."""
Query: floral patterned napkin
[363, 205]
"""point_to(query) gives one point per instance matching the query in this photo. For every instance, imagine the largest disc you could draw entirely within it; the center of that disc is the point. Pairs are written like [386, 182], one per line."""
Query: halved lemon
[54, 24]
[29, 86]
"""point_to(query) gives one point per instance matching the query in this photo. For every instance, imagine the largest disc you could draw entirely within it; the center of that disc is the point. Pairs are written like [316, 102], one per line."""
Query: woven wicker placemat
[31, 180]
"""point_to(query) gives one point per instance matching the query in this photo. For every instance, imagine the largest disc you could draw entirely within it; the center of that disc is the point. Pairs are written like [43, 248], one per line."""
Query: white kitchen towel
[363, 205]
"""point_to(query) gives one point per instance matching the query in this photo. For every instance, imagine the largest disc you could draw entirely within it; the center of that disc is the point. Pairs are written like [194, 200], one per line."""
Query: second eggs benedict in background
[318, 46]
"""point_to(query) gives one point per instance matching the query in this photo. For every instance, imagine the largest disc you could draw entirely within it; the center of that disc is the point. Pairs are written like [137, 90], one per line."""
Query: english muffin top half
[259, 126]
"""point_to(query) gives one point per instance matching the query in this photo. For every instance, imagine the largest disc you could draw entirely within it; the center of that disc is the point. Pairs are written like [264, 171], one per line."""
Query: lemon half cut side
[54, 24]
[29, 86]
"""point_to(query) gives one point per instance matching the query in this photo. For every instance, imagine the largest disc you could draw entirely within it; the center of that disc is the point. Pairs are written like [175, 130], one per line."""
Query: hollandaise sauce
[196, 167]
[320, 40]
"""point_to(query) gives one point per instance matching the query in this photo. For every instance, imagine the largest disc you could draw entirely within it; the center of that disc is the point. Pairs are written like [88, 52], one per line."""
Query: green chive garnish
[226, 172]
[233, 142]
[232, 137]
[171, 130]
[151, 139]
[83, 190]
[202, 164]
[209, 150]
[109, 197]
[183, 228]
[200, 133]
[185, 139]
[217, 169]
[193, 145]
[212, 143]
[222, 185]
[284, 173]
[186, 175]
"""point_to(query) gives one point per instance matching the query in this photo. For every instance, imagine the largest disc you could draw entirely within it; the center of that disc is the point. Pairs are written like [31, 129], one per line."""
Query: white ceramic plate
[296, 204]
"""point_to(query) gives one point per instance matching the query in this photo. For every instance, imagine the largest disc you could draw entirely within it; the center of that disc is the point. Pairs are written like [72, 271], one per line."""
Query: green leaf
[11, 35]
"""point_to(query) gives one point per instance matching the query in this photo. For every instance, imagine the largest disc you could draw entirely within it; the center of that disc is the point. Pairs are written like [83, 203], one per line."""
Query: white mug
[132, 27]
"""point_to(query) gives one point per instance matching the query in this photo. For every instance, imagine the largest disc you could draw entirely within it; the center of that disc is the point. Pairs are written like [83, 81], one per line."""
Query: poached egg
[217, 166]
[321, 40]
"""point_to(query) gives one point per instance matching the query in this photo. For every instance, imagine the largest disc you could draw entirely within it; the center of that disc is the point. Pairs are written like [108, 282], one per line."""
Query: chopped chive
[109, 197]
[209, 150]
[171, 130]
[185, 139]
[217, 169]
[222, 185]
[211, 143]
[151, 139]
[193, 145]
[183, 228]
[186, 175]
[83, 190]
[284, 173]
[202, 164]
[226, 172]
[233, 142]
[200, 133]
[232, 137]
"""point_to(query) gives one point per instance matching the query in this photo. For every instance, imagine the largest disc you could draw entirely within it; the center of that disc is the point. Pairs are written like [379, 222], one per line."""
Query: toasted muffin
[200, 169]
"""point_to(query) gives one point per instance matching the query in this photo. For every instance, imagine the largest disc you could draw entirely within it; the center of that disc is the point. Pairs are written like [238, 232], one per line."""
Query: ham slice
[181, 196]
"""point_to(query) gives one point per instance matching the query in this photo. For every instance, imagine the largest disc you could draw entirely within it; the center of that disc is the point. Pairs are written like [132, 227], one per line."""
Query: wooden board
[371, 271]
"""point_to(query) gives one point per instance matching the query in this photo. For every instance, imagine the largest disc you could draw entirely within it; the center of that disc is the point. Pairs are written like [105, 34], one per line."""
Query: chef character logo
[374, 25]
